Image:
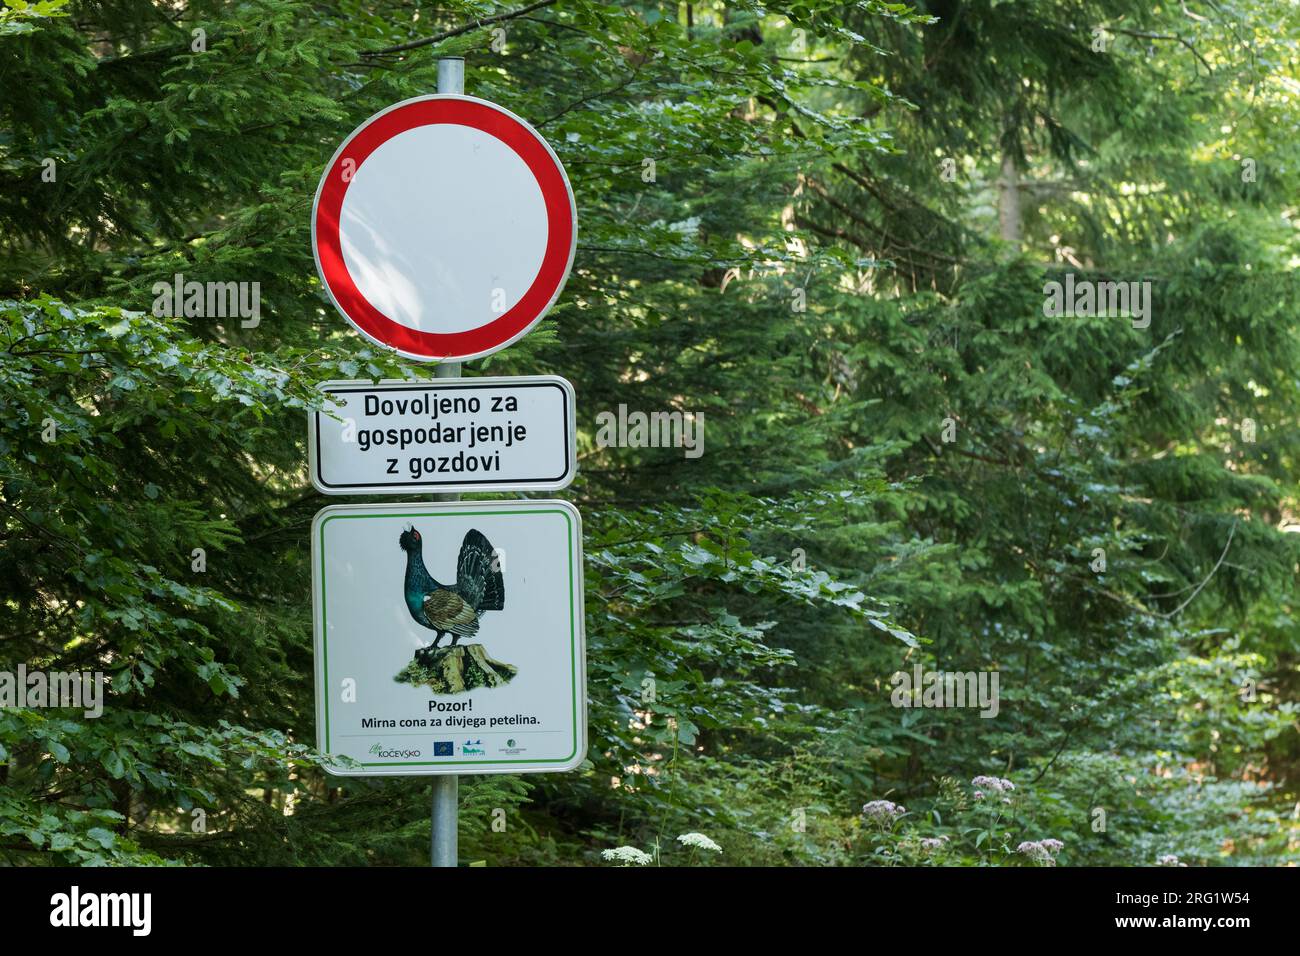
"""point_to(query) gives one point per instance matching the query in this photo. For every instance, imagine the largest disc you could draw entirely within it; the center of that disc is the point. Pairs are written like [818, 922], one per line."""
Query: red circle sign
[444, 227]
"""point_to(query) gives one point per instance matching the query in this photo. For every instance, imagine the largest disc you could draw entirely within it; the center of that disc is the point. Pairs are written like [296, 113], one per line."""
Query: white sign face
[449, 637]
[446, 435]
[444, 227]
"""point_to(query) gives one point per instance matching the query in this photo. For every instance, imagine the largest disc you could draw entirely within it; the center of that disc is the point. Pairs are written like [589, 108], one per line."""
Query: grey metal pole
[446, 787]
[443, 847]
[446, 838]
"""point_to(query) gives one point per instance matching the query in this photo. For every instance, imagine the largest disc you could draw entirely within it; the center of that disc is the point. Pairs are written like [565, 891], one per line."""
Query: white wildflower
[698, 840]
[627, 855]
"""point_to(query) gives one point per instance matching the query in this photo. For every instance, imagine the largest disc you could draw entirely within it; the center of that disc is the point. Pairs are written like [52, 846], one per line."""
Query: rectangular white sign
[446, 435]
[449, 637]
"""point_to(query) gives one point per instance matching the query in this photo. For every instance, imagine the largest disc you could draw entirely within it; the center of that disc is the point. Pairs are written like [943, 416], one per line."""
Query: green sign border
[573, 632]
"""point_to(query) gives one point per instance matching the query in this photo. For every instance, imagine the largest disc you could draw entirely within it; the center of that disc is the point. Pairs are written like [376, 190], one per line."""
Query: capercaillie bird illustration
[452, 609]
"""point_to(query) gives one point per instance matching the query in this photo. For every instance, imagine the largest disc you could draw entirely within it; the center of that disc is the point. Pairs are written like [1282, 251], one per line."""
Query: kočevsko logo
[379, 751]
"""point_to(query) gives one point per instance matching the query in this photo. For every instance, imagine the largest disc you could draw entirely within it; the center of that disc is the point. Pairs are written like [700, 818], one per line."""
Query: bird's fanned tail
[478, 579]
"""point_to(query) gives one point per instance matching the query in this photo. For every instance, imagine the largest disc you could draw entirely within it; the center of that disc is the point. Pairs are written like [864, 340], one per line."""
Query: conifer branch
[460, 30]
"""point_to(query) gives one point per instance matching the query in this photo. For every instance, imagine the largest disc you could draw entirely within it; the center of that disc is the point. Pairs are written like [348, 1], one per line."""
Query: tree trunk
[1009, 199]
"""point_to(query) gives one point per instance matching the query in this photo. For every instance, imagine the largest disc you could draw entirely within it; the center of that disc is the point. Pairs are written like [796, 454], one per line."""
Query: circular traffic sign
[444, 227]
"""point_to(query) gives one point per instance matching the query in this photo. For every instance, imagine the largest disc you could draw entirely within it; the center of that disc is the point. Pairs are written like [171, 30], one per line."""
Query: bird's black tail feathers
[478, 578]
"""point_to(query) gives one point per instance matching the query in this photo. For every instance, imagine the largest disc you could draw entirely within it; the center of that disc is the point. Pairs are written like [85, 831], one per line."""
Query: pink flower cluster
[993, 784]
[882, 811]
[1041, 851]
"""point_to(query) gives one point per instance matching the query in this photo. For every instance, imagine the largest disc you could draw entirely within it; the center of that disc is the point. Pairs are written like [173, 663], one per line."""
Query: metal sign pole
[443, 847]
[446, 787]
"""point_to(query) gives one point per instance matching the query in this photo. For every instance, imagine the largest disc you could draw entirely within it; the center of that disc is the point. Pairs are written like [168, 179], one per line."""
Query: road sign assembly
[448, 635]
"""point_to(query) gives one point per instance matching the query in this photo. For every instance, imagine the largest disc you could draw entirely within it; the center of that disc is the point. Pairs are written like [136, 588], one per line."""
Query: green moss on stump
[455, 670]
